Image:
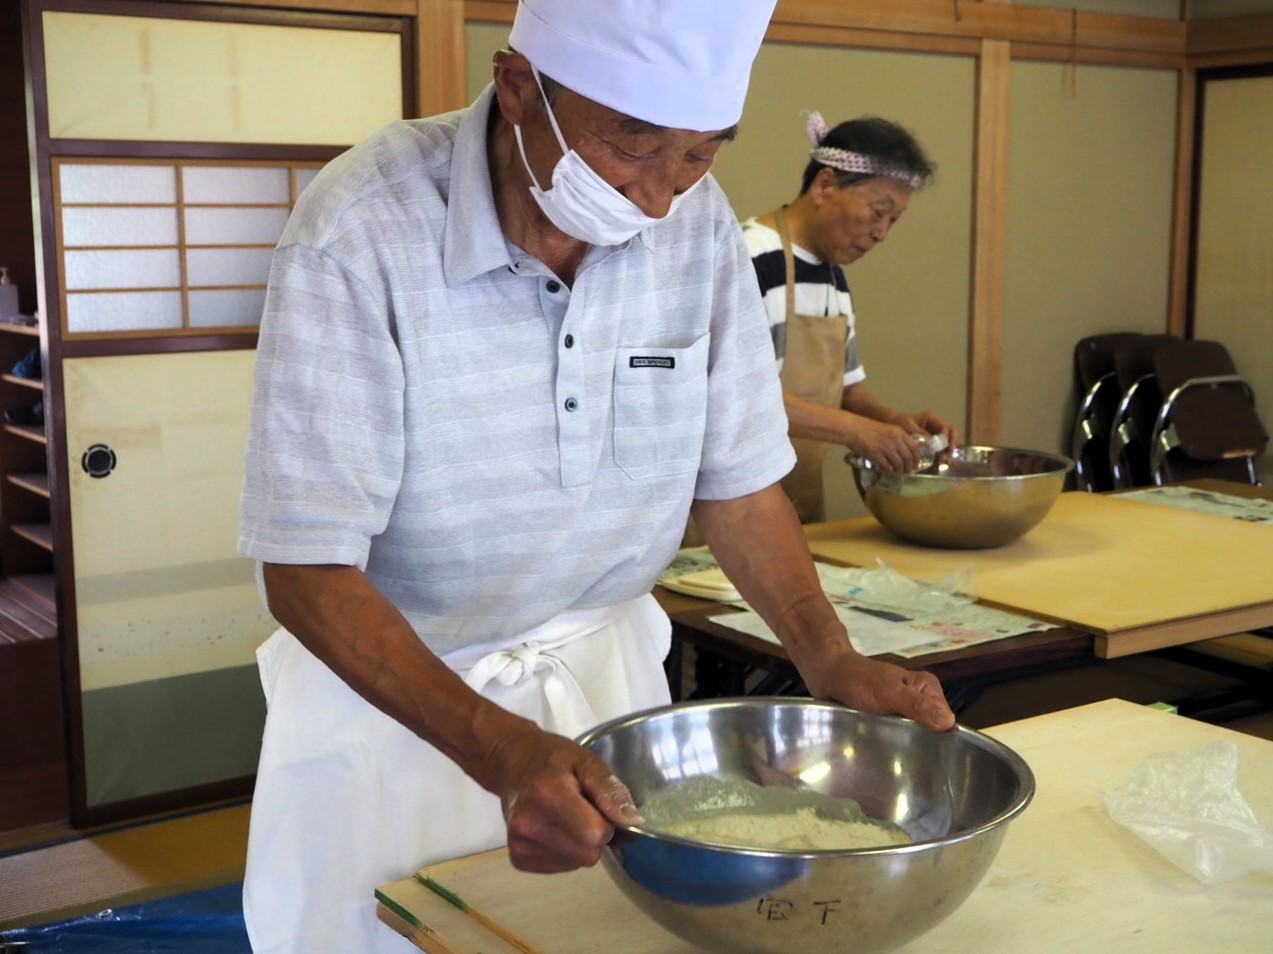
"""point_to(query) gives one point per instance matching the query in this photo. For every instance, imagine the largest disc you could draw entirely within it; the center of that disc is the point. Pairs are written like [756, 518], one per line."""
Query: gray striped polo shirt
[491, 447]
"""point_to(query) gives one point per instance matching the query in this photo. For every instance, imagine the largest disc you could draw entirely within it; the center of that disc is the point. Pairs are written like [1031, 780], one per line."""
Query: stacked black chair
[1207, 424]
[1096, 385]
[1132, 429]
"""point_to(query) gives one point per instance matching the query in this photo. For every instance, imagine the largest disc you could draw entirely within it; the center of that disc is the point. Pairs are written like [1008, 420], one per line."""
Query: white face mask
[581, 203]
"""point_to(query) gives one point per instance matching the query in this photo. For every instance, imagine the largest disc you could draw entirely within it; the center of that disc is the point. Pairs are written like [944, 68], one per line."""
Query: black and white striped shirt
[820, 290]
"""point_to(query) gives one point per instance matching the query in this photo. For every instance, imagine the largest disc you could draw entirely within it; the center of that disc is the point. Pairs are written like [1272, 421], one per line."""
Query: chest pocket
[660, 409]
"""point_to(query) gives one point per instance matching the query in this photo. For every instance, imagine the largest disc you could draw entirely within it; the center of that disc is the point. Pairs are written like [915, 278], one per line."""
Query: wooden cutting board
[1138, 575]
[1067, 878]
[579, 911]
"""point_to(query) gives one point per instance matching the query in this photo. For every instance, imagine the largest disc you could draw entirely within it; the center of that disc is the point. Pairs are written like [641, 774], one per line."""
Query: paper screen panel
[235, 226]
[228, 266]
[226, 307]
[107, 183]
[119, 226]
[104, 312]
[136, 268]
[231, 185]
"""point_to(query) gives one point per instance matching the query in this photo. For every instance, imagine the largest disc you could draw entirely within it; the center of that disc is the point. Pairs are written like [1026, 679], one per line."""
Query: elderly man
[503, 351]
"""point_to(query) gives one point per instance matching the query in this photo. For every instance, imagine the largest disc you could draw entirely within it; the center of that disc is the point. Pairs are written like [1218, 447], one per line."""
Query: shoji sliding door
[172, 141]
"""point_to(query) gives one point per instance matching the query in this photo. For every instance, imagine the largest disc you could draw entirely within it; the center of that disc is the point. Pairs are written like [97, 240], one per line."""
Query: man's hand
[560, 801]
[874, 686]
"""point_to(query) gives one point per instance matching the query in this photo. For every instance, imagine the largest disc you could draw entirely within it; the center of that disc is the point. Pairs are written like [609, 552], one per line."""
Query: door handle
[98, 461]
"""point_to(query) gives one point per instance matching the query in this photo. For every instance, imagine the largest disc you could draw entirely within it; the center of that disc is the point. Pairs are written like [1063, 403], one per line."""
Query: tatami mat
[124, 866]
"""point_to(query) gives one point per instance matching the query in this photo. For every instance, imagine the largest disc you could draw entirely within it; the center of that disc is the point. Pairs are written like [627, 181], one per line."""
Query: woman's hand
[890, 447]
[928, 422]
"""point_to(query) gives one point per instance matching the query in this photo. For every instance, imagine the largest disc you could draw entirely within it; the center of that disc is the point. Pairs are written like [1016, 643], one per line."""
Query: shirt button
[570, 341]
[553, 287]
[571, 404]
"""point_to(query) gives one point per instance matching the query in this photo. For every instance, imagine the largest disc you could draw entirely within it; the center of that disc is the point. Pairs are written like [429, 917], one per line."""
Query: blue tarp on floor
[200, 922]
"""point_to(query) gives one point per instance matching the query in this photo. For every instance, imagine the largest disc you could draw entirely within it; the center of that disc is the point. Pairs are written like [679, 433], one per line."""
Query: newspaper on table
[885, 611]
[1205, 501]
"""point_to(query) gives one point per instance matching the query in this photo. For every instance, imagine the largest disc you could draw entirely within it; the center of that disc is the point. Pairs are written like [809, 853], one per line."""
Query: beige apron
[812, 368]
[347, 799]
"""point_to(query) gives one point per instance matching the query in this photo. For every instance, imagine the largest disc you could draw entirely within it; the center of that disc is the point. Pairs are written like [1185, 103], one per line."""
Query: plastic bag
[207, 921]
[1188, 807]
[885, 588]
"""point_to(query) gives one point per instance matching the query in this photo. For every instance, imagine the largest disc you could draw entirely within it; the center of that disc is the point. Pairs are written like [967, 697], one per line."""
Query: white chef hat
[677, 63]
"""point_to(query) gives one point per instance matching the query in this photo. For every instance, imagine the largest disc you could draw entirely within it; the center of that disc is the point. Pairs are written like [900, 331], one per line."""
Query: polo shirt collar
[474, 241]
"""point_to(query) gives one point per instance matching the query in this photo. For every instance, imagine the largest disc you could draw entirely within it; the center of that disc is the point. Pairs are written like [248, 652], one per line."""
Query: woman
[858, 182]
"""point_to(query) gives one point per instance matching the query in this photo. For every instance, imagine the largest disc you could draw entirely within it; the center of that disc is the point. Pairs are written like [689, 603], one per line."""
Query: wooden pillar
[1178, 317]
[440, 65]
[990, 199]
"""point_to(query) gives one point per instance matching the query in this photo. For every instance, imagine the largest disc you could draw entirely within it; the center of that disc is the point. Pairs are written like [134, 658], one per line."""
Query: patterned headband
[847, 161]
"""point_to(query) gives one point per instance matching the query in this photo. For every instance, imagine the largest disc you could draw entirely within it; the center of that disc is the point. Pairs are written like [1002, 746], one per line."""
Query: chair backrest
[1207, 425]
[1098, 393]
[1133, 424]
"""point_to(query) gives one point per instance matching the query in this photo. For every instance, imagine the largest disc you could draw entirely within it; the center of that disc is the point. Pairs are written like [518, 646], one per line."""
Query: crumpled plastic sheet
[885, 588]
[1188, 807]
[199, 922]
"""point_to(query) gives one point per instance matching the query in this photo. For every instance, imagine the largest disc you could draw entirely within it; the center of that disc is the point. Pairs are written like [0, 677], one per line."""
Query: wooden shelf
[43, 586]
[36, 483]
[27, 432]
[8, 327]
[35, 384]
[41, 534]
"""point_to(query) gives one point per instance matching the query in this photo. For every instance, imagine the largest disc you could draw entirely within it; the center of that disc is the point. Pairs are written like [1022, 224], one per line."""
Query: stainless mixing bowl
[954, 793]
[973, 497]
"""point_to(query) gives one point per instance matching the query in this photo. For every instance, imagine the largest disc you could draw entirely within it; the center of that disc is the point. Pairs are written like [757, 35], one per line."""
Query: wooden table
[1137, 575]
[1067, 878]
[728, 659]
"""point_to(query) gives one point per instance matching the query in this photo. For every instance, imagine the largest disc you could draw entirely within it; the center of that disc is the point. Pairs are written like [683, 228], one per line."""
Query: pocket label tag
[651, 361]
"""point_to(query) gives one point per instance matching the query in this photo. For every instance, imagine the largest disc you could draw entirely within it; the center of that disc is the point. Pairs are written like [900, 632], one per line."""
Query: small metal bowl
[974, 497]
[953, 792]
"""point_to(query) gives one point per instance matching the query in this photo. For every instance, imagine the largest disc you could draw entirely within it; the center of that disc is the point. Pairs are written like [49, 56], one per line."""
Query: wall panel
[1233, 300]
[144, 78]
[1090, 172]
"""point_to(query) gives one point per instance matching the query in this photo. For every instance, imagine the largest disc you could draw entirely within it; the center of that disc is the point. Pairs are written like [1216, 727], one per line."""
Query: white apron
[346, 798]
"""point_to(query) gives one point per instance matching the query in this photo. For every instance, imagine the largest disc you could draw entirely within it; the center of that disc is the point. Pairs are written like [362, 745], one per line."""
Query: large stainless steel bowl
[974, 496]
[953, 792]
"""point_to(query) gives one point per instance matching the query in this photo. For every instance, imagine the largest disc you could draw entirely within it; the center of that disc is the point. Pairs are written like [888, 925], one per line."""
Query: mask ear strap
[517, 134]
[561, 140]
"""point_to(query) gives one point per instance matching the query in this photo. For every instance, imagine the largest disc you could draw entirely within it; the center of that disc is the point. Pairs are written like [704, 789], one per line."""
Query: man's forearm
[759, 544]
[340, 617]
